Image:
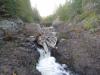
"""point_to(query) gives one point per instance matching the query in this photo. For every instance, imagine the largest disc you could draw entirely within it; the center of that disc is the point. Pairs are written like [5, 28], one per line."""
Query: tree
[24, 10]
[7, 8]
[62, 12]
[69, 9]
[16, 8]
[36, 15]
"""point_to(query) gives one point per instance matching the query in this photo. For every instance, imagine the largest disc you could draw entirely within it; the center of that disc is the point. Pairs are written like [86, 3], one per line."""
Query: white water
[47, 64]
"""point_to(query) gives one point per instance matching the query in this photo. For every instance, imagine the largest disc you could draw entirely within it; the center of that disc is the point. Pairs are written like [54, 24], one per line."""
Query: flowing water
[47, 64]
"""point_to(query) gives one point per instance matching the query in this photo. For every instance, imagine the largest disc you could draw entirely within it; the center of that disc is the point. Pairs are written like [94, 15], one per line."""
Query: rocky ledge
[79, 49]
[18, 54]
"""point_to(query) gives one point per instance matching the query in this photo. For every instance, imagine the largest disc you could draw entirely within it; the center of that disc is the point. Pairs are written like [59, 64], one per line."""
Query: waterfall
[47, 64]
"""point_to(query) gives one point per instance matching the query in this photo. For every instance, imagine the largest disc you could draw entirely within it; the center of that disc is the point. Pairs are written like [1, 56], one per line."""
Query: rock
[47, 36]
[80, 52]
[58, 25]
[11, 26]
[36, 72]
[32, 29]
[30, 38]
[19, 57]
[57, 22]
[1, 34]
[43, 34]
[20, 24]
[79, 48]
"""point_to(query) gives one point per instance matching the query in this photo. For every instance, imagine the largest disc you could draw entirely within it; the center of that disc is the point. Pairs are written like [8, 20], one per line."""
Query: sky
[46, 7]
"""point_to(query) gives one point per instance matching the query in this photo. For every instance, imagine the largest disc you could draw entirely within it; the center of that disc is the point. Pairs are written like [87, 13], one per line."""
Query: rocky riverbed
[77, 48]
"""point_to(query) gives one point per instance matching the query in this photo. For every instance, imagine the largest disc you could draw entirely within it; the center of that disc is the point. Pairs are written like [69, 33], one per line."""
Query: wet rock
[36, 73]
[47, 36]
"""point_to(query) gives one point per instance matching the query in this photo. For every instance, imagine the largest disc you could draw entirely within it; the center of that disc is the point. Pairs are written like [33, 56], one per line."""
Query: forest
[82, 9]
[78, 10]
[18, 8]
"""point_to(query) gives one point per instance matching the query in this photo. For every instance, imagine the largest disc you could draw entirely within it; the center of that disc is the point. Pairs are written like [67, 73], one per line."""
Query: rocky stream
[22, 50]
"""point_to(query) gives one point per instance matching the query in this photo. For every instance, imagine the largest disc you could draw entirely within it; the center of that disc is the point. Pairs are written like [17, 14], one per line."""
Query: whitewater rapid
[47, 64]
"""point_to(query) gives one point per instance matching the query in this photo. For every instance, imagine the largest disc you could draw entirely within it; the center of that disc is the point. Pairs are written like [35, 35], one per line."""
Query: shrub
[90, 21]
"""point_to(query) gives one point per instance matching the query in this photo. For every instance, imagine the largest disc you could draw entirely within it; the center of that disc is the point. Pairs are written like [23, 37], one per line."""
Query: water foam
[47, 64]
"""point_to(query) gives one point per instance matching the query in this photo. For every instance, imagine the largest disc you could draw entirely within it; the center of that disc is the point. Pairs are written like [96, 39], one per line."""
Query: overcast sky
[46, 7]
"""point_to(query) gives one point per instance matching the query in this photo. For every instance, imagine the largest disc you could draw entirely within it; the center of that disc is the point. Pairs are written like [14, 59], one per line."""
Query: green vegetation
[49, 19]
[18, 8]
[7, 8]
[36, 16]
[69, 10]
[90, 21]
[79, 10]
[62, 12]
[24, 10]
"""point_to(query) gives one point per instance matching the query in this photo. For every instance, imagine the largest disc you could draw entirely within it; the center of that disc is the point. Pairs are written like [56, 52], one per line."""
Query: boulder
[19, 58]
[11, 26]
[32, 29]
[1, 34]
[48, 36]
[80, 51]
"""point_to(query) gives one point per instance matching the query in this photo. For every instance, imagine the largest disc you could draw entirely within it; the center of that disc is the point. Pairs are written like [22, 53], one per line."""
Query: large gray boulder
[12, 26]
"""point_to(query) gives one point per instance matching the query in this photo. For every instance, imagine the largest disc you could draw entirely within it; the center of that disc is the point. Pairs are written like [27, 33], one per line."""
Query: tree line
[19, 8]
[85, 12]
